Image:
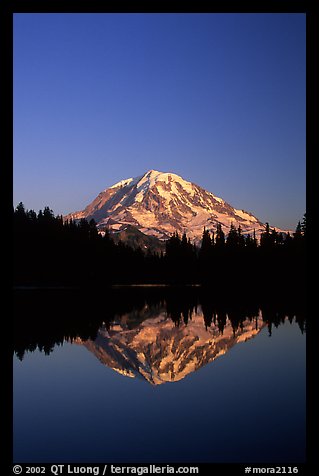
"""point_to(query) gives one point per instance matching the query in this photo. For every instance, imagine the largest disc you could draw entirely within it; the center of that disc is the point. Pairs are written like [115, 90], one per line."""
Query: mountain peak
[153, 172]
[156, 175]
[161, 203]
[151, 175]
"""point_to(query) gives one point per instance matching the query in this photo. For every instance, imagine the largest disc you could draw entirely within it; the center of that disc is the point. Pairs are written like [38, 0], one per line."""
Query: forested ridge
[51, 251]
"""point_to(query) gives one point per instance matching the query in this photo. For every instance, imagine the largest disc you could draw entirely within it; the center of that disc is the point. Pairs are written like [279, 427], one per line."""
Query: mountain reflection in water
[159, 335]
[159, 351]
[247, 405]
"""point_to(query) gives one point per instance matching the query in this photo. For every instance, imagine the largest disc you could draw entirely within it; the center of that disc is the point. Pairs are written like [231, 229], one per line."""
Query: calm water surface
[159, 384]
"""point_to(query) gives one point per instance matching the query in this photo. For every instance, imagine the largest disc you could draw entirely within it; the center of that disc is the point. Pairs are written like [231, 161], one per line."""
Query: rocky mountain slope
[158, 204]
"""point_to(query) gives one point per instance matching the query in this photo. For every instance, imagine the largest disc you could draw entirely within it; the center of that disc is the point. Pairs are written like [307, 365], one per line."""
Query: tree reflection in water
[46, 318]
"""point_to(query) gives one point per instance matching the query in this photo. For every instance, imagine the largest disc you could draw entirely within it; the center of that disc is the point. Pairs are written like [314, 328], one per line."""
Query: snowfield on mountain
[158, 204]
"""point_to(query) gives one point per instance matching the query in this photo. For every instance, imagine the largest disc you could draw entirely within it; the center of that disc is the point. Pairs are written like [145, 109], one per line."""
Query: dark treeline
[51, 251]
[45, 318]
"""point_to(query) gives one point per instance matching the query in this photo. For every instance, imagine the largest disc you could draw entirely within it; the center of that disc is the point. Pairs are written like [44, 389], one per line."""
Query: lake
[144, 375]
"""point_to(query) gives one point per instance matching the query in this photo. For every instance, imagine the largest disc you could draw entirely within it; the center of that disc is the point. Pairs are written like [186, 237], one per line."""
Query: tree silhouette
[206, 244]
[220, 236]
[70, 316]
[298, 234]
[51, 251]
[232, 238]
[304, 225]
[265, 238]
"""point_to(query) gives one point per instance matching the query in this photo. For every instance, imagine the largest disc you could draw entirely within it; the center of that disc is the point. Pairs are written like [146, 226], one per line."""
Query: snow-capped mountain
[158, 204]
[158, 351]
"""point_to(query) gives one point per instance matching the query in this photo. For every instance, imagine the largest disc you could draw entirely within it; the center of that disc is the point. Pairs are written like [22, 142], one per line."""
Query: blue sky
[219, 99]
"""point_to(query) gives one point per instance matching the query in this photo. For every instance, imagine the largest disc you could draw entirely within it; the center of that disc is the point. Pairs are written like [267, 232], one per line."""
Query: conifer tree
[232, 238]
[220, 236]
[206, 244]
[240, 237]
[265, 238]
[20, 210]
[298, 232]
[304, 225]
